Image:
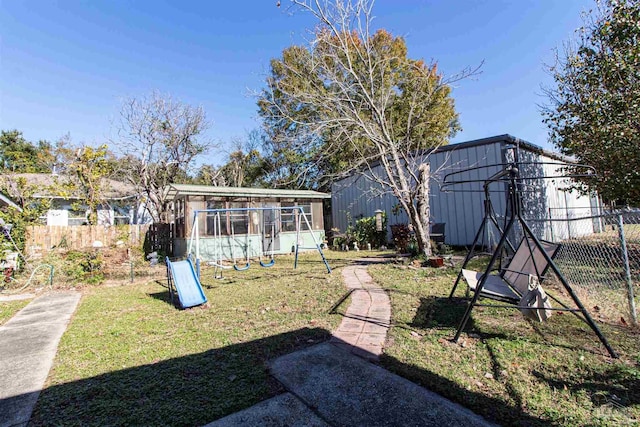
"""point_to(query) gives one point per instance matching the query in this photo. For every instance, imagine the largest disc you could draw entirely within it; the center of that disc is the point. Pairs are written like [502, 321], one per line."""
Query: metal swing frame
[510, 175]
[272, 261]
[247, 264]
[194, 240]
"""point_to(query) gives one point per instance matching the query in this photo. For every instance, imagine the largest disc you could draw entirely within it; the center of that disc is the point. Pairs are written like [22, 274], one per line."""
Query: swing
[518, 284]
[272, 262]
[194, 241]
[218, 253]
[233, 253]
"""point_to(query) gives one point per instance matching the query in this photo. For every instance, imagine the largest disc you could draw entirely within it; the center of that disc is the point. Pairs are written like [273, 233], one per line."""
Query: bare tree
[353, 102]
[161, 138]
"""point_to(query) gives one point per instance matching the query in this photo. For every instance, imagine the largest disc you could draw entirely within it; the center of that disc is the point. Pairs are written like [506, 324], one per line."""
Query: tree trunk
[420, 219]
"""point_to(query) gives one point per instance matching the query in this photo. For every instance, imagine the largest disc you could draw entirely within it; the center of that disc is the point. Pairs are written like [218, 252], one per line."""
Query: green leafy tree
[26, 196]
[87, 178]
[352, 100]
[209, 175]
[18, 155]
[244, 167]
[594, 105]
[240, 170]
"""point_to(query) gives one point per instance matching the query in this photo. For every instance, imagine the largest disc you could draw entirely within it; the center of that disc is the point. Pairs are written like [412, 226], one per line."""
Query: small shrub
[365, 232]
[441, 248]
[401, 235]
[18, 231]
[82, 266]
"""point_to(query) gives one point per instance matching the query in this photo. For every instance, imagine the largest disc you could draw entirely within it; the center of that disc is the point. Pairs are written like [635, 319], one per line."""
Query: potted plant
[436, 261]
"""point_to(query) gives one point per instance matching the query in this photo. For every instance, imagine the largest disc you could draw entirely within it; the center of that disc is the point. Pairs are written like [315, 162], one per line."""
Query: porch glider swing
[518, 281]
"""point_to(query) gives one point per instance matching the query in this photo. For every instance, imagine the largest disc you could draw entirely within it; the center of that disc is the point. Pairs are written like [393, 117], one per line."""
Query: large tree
[161, 137]
[594, 109]
[245, 165]
[351, 100]
[87, 177]
[21, 156]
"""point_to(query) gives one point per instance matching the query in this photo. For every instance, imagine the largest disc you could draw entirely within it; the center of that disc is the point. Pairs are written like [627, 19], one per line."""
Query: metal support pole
[483, 279]
[297, 245]
[627, 272]
[488, 216]
[130, 269]
[315, 241]
[470, 255]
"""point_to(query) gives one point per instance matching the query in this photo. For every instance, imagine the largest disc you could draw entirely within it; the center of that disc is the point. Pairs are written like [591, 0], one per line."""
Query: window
[211, 218]
[290, 216]
[238, 220]
[178, 207]
[77, 216]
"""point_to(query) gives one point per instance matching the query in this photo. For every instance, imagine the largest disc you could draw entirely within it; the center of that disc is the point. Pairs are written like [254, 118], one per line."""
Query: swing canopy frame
[518, 283]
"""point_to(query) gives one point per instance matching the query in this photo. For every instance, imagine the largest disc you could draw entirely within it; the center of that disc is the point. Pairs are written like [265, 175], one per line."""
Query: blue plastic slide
[186, 281]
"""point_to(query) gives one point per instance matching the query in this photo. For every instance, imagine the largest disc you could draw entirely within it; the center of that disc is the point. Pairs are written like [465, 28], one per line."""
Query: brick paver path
[364, 327]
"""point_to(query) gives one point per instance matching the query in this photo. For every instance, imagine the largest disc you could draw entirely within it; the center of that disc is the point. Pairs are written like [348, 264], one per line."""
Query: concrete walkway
[329, 385]
[28, 345]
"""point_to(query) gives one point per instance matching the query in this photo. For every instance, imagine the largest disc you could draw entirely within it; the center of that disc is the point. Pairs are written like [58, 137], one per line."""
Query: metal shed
[357, 196]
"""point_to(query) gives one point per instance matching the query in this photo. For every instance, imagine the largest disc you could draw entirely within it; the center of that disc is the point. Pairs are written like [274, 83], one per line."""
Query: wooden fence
[41, 239]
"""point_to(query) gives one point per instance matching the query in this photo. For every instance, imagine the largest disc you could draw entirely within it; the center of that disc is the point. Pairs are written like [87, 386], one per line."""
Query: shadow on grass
[492, 409]
[200, 388]
[440, 312]
[604, 388]
[163, 296]
[609, 387]
[189, 390]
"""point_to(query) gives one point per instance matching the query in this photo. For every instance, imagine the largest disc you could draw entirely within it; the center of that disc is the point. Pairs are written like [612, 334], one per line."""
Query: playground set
[261, 227]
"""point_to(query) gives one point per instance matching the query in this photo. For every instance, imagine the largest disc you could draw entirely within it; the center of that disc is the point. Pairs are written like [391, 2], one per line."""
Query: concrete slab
[28, 345]
[281, 411]
[345, 390]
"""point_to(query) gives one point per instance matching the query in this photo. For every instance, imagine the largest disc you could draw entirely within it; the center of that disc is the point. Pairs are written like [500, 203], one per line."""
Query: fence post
[627, 271]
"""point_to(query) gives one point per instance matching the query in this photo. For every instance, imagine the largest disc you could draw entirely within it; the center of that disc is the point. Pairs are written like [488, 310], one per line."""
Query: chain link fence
[599, 256]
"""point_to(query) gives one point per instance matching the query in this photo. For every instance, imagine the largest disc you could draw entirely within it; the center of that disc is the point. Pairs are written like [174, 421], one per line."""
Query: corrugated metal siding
[462, 212]
[461, 208]
[557, 203]
[356, 196]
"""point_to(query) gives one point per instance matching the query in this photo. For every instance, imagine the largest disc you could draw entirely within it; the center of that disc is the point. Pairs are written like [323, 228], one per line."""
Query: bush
[18, 230]
[84, 266]
[365, 232]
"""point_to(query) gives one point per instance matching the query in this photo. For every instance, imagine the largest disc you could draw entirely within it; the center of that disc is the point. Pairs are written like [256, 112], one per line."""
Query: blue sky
[66, 66]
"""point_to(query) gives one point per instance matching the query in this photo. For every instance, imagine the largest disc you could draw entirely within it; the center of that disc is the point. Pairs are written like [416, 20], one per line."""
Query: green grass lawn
[130, 358]
[9, 308]
[505, 368]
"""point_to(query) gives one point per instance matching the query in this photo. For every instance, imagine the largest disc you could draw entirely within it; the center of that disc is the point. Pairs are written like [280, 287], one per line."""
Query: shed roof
[174, 190]
[509, 139]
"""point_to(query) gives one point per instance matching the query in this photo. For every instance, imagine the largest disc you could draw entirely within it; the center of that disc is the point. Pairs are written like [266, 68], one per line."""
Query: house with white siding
[121, 204]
